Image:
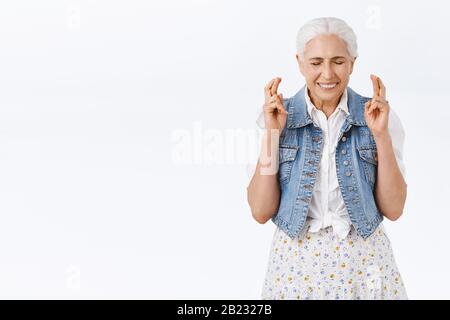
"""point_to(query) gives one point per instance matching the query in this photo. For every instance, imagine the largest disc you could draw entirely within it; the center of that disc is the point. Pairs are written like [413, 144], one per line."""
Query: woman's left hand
[376, 111]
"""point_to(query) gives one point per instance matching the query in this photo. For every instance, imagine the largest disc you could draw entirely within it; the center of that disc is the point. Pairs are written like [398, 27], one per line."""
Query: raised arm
[263, 192]
[390, 187]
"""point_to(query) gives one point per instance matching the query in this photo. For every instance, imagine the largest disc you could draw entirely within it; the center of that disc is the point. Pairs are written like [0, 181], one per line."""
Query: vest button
[348, 173]
[344, 151]
[345, 163]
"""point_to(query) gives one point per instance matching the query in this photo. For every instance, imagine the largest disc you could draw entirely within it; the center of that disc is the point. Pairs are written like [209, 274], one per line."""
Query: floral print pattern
[321, 266]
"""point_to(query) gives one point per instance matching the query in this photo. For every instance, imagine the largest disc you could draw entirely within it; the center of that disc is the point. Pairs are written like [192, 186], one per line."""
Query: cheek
[311, 74]
[344, 72]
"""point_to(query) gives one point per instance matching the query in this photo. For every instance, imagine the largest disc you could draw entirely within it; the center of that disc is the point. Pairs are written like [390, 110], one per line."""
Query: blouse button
[344, 151]
[350, 188]
[348, 173]
[345, 162]
[344, 138]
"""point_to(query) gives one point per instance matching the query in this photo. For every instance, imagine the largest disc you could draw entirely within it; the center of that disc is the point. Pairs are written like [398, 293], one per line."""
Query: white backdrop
[127, 136]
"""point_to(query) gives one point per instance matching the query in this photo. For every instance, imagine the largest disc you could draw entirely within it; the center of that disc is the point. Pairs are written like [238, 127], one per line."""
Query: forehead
[326, 46]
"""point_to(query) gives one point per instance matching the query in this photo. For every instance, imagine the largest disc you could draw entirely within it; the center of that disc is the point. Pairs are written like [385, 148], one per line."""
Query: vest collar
[298, 114]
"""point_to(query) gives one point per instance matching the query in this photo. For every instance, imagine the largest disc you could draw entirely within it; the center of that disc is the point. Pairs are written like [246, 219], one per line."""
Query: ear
[351, 65]
[301, 65]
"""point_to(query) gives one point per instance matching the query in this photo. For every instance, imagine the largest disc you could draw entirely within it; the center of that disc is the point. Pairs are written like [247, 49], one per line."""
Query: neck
[327, 106]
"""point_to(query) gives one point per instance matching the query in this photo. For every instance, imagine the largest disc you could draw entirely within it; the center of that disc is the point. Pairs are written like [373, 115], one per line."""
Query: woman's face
[327, 67]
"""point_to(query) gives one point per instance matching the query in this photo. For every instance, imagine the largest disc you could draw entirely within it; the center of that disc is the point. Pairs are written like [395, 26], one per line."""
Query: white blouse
[327, 207]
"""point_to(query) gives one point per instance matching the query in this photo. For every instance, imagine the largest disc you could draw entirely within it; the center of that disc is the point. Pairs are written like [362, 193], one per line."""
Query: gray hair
[326, 25]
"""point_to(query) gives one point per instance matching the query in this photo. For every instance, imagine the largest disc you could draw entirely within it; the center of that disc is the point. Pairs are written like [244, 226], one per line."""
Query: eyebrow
[320, 58]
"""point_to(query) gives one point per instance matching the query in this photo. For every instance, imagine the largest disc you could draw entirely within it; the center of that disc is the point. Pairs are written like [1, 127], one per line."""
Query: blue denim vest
[300, 151]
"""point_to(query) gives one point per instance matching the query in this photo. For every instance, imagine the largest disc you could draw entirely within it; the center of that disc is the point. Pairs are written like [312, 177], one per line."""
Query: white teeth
[327, 86]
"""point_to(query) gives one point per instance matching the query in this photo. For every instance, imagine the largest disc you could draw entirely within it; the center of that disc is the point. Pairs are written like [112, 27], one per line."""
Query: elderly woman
[329, 171]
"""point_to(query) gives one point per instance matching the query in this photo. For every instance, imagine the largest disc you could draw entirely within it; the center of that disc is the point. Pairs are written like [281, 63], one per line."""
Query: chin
[327, 96]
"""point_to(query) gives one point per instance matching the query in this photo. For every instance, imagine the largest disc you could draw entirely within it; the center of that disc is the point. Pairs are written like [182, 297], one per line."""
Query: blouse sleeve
[397, 133]
[260, 120]
[251, 166]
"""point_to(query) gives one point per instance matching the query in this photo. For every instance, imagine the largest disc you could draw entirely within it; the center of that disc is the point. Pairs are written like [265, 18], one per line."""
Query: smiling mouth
[328, 86]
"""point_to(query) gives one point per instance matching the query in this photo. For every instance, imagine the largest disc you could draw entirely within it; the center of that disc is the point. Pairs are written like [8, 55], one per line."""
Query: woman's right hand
[275, 115]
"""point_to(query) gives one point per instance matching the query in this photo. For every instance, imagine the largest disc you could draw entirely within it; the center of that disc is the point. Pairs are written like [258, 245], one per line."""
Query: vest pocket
[287, 156]
[370, 162]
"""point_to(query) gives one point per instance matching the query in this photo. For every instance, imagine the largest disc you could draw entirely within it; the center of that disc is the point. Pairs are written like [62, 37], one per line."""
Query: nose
[327, 72]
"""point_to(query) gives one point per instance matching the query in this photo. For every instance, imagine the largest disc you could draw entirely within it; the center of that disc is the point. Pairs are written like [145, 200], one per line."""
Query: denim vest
[300, 151]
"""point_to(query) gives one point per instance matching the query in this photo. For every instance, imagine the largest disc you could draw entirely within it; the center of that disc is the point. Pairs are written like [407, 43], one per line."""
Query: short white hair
[326, 25]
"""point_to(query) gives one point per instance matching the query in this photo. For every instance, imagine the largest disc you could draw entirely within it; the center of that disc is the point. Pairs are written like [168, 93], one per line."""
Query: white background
[127, 136]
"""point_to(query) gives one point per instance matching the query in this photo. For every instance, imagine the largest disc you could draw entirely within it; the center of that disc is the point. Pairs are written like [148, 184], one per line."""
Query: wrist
[269, 130]
[383, 138]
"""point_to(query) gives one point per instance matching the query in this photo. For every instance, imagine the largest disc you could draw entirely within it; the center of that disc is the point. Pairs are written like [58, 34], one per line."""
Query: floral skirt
[321, 266]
